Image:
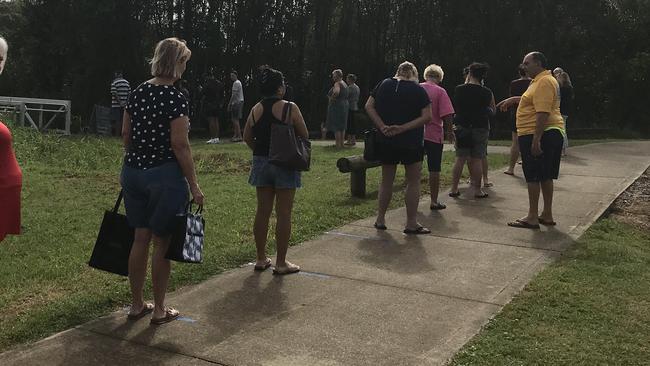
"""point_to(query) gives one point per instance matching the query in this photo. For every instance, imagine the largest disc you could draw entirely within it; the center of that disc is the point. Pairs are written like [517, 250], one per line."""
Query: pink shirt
[440, 107]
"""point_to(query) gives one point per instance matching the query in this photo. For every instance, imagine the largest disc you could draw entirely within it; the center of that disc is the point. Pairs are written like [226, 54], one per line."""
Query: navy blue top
[262, 128]
[398, 102]
[152, 108]
[472, 105]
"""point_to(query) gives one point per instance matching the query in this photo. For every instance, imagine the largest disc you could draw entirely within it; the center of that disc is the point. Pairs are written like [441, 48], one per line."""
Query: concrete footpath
[366, 297]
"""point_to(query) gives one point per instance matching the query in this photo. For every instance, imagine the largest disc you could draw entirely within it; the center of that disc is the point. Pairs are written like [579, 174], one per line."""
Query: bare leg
[283, 207]
[213, 125]
[475, 171]
[385, 191]
[434, 186]
[533, 203]
[412, 197]
[547, 193]
[265, 196]
[484, 170]
[514, 154]
[160, 269]
[236, 128]
[339, 135]
[138, 268]
[456, 172]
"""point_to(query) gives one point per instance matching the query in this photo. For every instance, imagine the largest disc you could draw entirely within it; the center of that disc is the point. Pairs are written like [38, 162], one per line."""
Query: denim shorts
[154, 196]
[265, 174]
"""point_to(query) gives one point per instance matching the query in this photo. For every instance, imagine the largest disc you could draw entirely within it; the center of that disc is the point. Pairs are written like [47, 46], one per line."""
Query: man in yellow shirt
[540, 129]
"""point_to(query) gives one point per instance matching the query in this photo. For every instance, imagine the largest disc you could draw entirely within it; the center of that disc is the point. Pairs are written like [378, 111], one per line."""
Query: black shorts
[350, 128]
[434, 156]
[393, 155]
[546, 166]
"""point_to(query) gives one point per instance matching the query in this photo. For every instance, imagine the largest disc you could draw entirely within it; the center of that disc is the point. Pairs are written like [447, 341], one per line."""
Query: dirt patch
[633, 205]
[213, 162]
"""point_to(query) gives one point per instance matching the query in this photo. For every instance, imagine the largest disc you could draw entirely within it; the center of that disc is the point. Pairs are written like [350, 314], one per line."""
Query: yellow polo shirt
[543, 95]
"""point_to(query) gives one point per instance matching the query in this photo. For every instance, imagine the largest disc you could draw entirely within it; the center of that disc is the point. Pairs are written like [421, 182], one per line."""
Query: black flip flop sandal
[419, 231]
[546, 223]
[523, 224]
[380, 226]
[454, 194]
[147, 309]
[263, 267]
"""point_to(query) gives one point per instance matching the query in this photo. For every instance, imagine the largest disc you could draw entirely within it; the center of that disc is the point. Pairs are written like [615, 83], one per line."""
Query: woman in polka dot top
[157, 171]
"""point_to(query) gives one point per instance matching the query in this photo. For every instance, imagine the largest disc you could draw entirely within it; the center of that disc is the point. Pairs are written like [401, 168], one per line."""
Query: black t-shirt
[213, 92]
[472, 102]
[398, 102]
[152, 108]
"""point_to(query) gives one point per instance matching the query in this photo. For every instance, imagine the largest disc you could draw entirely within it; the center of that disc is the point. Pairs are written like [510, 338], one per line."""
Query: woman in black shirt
[399, 108]
[157, 170]
[474, 104]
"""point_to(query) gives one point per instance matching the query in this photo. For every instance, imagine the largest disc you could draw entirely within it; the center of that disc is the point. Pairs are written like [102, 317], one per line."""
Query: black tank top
[262, 128]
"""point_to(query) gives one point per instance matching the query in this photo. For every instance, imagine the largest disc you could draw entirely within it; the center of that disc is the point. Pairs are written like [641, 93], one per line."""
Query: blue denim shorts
[265, 174]
[154, 196]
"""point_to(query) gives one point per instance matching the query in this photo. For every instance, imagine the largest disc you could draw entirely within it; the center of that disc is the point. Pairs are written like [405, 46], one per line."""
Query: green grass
[45, 283]
[592, 307]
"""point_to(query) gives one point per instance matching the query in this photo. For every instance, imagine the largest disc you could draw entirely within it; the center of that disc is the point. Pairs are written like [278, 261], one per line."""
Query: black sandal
[380, 226]
[419, 231]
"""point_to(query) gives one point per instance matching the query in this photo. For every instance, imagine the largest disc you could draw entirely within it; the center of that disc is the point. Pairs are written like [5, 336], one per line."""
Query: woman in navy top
[157, 170]
[399, 108]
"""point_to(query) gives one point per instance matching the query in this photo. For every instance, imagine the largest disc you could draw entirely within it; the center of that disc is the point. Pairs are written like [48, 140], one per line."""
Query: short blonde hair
[434, 71]
[4, 47]
[168, 57]
[407, 70]
[338, 73]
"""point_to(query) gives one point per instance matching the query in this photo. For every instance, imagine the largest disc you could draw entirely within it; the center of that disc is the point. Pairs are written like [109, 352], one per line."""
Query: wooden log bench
[356, 166]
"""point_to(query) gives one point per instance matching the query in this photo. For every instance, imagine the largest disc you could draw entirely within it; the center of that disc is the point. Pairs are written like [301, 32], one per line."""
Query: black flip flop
[508, 173]
[380, 227]
[523, 224]
[421, 230]
[169, 316]
[437, 206]
[454, 194]
[479, 196]
[546, 223]
[285, 271]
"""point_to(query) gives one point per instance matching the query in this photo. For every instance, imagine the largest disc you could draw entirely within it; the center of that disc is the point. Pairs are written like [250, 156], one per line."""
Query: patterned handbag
[186, 243]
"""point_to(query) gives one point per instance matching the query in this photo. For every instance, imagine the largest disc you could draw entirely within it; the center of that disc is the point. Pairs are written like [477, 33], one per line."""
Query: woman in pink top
[441, 111]
[10, 175]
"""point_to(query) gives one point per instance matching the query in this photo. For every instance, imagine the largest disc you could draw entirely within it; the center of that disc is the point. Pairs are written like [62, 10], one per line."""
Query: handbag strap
[286, 113]
[188, 208]
[118, 202]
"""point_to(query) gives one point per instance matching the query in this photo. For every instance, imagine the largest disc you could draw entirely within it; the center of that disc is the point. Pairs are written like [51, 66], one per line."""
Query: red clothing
[11, 179]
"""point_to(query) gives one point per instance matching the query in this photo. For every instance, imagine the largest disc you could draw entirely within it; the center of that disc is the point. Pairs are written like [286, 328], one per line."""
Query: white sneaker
[214, 141]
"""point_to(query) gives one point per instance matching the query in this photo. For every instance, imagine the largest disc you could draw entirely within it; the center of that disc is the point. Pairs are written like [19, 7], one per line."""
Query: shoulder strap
[286, 113]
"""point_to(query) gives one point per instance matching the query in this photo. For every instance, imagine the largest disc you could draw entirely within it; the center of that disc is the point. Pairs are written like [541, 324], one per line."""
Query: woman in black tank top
[270, 180]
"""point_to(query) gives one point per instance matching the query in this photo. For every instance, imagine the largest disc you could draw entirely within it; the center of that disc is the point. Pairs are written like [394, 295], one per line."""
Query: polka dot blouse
[152, 108]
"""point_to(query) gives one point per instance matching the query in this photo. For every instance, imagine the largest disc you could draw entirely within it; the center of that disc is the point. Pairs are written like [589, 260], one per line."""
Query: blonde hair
[434, 71]
[407, 71]
[338, 73]
[168, 57]
[4, 48]
[564, 79]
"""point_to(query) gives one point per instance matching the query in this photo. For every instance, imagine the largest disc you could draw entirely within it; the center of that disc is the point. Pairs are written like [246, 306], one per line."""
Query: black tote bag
[114, 242]
[370, 145]
[287, 149]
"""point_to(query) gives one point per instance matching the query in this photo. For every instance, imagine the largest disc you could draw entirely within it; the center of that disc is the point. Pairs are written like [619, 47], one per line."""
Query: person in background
[399, 108]
[557, 71]
[337, 107]
[157, 170]
[442, 113]
[236, 105]
[273, 184]
[11, 177]
[566, 104]
[474, 103]
[517, 88]
[120, 89]
[212, 98]
[353, 109]
[540, 131]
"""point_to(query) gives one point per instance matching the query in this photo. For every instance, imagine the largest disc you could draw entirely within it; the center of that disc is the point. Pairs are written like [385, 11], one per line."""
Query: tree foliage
[69, 48]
